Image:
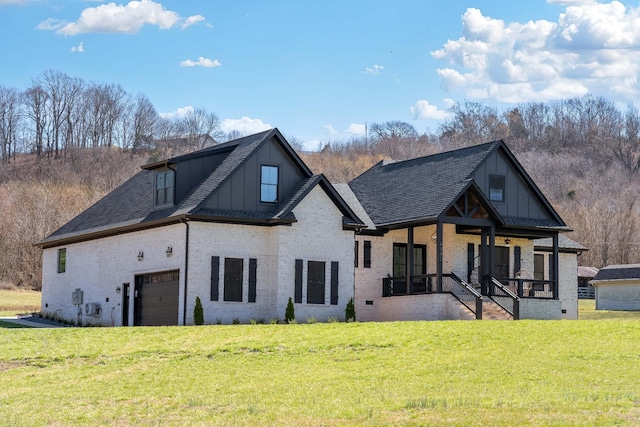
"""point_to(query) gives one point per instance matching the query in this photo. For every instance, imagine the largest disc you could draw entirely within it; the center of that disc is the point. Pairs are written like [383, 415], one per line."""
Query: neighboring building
[585, 288]
[618, 287]
[245, 226]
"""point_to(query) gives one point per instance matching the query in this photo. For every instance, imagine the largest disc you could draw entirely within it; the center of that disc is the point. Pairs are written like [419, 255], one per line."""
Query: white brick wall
[100, 266]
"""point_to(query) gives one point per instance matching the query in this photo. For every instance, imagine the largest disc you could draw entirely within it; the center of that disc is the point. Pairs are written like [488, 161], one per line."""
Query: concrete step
[492, 311]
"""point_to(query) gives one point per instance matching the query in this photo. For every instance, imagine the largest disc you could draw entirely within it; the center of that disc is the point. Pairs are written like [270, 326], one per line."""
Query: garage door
[156, 299]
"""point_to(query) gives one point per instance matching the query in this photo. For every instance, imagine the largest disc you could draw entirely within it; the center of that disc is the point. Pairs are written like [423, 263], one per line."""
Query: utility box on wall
[76, 297]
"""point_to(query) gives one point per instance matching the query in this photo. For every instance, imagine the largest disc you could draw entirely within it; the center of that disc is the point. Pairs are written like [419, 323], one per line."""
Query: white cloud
[113, 18]
[50, 24]
[329, 130]
[356, 129]
[192, 20]
[422, 110]
[79, 48]
[244, 125]
[201, 62]
[375, 70]
[591, 47]
[177, 114]
[448, 103]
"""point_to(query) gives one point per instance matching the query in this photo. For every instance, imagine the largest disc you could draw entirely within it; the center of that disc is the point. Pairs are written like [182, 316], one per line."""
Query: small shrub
[235, 321]
[198, 313]
[289, 313]
[253, 322]
[218, 321]
[312, 320]
[274, 321]
[293, 322]
[260, 321]
[332, 319]
[350, 312]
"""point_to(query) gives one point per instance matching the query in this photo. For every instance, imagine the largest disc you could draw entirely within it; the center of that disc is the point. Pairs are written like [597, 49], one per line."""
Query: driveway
[29, 323]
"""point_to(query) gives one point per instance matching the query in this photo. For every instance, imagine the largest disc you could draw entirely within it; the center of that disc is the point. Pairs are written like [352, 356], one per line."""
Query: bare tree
[144, 120]
[35, 100]
[198, 125]
[10, 116]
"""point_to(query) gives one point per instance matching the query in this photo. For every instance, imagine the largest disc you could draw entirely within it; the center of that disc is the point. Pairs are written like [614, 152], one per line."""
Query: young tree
[198, 313]
[289, 313]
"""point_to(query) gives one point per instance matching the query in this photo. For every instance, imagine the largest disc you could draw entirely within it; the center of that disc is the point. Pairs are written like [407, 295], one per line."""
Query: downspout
[185, 221]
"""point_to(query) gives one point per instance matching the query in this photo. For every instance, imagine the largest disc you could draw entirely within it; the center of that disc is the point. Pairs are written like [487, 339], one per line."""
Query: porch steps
[492, 311]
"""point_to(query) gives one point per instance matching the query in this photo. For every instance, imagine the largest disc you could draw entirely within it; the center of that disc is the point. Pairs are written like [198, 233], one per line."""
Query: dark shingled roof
[131, 204]
[418, 189]
[619, 272]
[564, 243]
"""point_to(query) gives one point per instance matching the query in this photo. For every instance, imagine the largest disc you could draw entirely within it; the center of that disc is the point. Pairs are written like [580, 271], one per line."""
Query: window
[269, 184]
[62, 260]
[233, 279]
[367, 254]
[502, 262]
[538, 267]
[315, 282]
[496, 188]
[400, 268]
[164, 188]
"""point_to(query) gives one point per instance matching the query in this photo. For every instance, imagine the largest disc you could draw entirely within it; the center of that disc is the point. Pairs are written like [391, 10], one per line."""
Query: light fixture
[169, 251]
[140, 255]
[118, 289]
[434, 236]
[507, 241]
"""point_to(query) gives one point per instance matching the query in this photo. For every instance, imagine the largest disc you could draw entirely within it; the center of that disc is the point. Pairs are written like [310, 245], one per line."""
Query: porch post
[410, 260]
[439, 256]
[556, 267]
[482, 270]
[492, 257]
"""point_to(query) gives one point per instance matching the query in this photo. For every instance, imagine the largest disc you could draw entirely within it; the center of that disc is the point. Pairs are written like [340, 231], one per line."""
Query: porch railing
[529, 288]
[464, 293]
[421, 284]
[505, 297]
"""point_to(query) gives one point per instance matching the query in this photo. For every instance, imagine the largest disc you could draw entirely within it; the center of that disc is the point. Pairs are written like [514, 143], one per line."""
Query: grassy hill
[403, 373]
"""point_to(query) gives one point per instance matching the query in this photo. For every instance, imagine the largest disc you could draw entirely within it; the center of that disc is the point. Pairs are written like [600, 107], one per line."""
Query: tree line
[66, 142]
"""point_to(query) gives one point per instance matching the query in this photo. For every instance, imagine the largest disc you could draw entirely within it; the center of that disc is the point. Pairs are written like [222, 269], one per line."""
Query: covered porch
[474, 255]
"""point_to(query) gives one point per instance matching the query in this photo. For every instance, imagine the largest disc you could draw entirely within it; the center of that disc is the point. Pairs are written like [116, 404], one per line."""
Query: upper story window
[62, 260]
[269, 184]
[164, 188]
[496, 188]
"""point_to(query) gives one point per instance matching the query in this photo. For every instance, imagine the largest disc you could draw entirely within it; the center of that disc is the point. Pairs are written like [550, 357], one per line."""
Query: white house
[618, 287]
[245, 226]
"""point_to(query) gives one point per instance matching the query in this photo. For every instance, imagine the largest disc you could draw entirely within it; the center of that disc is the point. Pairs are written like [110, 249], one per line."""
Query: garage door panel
[159, 299]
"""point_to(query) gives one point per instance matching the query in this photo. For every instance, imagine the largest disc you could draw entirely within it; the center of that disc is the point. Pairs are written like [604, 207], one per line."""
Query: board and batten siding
[241, 191]
[520, 200]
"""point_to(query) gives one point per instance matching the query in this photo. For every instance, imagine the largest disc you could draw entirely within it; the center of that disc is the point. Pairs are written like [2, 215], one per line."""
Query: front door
[400, 268]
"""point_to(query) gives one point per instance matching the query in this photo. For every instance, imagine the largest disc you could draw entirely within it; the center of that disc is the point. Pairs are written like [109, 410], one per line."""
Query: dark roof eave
[44, 244]
[269, 222]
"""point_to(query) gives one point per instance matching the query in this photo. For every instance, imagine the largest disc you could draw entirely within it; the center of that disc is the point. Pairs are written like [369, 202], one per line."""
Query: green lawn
[403, 373]
[587, 311]
[14, 302]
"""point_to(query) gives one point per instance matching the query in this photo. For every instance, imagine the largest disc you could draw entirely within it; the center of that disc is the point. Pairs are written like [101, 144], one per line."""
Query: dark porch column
[439, 256]
[482, 269]
[556, 266]
[492, 257]
[410, 260]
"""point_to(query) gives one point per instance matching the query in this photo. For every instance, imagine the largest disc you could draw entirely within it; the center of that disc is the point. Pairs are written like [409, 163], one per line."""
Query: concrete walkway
[26, 322]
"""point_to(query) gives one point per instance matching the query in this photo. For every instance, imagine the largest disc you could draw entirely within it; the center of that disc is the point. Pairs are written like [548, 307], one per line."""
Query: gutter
[185, 221]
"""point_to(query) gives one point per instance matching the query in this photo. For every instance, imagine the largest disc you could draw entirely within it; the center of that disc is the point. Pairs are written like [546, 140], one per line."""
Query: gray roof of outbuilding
[418, 189]
[131, 204]
[618, 272]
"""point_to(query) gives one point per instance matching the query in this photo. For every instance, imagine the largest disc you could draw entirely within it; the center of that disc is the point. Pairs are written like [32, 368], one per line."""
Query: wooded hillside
[65, 143]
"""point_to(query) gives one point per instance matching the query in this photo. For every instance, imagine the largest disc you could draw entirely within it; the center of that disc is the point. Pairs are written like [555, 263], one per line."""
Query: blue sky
[320, 70]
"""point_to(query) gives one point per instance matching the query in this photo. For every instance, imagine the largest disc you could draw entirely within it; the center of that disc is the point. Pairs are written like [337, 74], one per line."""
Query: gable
[241, 190]
[521, 200]
[191, 172]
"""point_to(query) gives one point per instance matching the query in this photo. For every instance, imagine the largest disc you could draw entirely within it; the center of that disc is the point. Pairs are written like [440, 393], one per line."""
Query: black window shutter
[253, 266]
[298, 282]
[215, 277]
[334, 283]
[517, 255]
[470, 260]
[355, 261]
[367, 254]
[552, 268]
